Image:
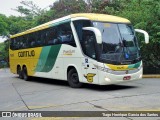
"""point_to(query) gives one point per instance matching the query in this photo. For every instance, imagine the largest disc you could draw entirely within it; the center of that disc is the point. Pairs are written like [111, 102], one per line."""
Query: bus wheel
[19, 72]
[25, 74]
[73, 79]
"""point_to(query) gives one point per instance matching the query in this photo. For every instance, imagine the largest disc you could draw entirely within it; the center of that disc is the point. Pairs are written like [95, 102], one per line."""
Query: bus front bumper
[114, 79]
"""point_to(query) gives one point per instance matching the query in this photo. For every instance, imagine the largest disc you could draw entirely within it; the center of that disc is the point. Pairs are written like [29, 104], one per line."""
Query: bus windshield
[119, 44]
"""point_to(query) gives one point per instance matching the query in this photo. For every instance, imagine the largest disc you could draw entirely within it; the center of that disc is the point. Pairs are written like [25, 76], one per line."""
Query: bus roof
[90, 16]
[101, 17]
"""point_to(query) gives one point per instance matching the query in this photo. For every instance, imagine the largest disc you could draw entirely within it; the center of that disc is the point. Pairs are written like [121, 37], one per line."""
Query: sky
[6, 7]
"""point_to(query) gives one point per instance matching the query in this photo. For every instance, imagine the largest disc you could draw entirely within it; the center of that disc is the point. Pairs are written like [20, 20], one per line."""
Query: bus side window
[79, 24]
[45, 36]
[42, 37]
[65, 35]
[21, 42]
[15, 43]
[52, 36]
[18, 42]
[12, 44]
[24, 42]
[37, 40]
[31, 41]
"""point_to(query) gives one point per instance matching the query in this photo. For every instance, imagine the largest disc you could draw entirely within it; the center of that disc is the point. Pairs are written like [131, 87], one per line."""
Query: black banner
[22, 114]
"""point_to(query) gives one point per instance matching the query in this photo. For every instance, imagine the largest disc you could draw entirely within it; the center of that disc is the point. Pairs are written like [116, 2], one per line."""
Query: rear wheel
[19, 72]
[25, 74]
[73, 79]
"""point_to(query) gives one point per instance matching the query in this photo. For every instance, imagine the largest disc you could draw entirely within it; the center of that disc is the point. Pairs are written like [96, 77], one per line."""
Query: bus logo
[89, 77]
[26, 53]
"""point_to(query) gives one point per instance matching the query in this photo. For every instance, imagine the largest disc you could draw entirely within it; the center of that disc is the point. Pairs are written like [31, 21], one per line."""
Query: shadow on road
[108, 87]
[85, 86]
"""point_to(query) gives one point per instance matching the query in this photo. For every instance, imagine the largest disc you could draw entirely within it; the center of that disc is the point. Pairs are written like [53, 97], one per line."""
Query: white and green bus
[79, 48]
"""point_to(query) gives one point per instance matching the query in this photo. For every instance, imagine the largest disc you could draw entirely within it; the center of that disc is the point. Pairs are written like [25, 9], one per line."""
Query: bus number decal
[86, 60]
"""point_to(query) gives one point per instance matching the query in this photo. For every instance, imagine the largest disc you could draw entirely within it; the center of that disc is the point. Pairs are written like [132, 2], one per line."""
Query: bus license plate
[126, 77]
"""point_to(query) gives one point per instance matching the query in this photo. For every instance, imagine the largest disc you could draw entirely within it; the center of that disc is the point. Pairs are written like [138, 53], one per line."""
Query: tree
[3, 25]
[29, 9]
[4, 56]
[145, 14]
[66, 7]
[19, 24]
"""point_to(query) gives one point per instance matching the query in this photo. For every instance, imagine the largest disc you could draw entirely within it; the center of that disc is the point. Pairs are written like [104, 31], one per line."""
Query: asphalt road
[52, 95]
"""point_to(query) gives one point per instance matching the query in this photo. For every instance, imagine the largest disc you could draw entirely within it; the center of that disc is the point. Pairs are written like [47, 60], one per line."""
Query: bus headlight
[104, 69]
[109, 70]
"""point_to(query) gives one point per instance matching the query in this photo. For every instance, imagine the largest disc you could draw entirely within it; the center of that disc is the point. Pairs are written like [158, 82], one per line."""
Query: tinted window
[61, 34]
[65, 35]
[86, 38]
[88, 45]
[79, 24]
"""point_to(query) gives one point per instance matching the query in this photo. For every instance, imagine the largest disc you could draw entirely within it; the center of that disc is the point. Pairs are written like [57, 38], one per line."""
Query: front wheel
[73, 79]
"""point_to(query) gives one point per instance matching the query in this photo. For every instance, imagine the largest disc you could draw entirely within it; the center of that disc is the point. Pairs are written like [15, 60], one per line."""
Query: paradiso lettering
[26, 53]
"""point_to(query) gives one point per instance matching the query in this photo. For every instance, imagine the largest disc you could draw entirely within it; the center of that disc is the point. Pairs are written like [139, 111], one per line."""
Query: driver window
[89, 40]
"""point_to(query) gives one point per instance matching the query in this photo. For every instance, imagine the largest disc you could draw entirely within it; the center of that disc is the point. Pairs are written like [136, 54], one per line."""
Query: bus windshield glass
[119, 45]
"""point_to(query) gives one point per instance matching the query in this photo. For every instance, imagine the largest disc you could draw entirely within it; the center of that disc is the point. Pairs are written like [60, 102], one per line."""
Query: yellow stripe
[119, 67]
[102, 17]
[30, 31]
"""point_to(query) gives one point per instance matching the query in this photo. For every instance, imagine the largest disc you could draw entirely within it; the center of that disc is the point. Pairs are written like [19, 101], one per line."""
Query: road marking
[39, 107]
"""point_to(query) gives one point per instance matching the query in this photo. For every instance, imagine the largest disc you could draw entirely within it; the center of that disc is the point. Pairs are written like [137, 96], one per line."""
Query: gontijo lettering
[26, 53]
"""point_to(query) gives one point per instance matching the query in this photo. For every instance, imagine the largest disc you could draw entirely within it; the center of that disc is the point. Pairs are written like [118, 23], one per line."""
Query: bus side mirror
[96, 32]
[146, 36]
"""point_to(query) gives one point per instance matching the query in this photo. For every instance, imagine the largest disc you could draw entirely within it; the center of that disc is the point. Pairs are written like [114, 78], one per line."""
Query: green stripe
[61, 22]
[136, 65]
[43, 58]
[48, 58]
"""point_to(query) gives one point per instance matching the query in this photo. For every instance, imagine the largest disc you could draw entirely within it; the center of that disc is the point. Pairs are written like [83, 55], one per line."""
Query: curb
[151, 76]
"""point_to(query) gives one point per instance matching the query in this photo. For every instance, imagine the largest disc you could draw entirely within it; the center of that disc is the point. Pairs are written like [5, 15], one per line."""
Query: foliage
[1, 46]
[3, 25]
[4, 54]
[145, 14]
[29, 9]
[61, 8]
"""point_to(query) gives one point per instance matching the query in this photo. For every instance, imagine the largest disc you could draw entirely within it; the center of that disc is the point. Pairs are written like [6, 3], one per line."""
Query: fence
[151, 70]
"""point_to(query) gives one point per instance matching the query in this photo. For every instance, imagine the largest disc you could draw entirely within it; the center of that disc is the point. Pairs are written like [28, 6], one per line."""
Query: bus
[79, 48]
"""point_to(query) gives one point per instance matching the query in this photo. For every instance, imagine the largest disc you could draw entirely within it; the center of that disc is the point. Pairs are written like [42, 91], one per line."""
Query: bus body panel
[53, 61]
[109, 76]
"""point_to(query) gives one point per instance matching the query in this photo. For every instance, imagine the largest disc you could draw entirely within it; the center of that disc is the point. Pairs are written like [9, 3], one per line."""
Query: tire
[73, 79]
[25, 74]
[19, 72]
